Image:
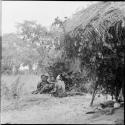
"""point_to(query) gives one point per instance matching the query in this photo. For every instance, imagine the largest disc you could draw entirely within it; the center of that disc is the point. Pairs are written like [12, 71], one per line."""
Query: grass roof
[96, 14]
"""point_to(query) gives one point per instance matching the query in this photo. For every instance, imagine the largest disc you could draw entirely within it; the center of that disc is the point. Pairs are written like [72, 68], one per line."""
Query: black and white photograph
[62, 62]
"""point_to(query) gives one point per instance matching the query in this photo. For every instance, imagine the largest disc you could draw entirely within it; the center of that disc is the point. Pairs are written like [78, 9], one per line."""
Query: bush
[56, 68]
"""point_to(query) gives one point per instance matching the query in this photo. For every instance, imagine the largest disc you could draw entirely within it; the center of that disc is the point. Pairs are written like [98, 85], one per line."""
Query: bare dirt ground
[45, 109]
[38, 109]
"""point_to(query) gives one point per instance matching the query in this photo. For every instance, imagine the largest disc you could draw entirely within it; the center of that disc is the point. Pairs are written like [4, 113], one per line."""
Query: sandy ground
[45, 109]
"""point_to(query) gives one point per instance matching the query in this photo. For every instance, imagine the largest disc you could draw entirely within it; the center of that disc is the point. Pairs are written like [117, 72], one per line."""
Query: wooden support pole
[94, 93]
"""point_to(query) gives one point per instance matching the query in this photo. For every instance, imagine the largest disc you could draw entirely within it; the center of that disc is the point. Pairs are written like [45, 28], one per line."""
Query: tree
[58, 31]
[16, 52]
[10, 52]
[36, 37]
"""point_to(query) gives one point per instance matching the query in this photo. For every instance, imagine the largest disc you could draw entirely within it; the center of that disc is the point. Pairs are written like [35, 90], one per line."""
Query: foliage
[16, 52]
[32, 34]
[41, 40]
[10, 55]
[56, 68]
[32, 44]
[58, 31]
[100, 44]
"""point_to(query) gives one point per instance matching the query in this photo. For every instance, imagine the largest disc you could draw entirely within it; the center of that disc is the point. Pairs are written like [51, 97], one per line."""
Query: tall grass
[15, 93]
[16, 86]
[15, 89]
[5, 91]
[12, 92]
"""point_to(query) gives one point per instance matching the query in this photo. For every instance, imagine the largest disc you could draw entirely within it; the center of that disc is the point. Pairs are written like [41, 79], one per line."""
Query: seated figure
[43, 86]
[59, 87]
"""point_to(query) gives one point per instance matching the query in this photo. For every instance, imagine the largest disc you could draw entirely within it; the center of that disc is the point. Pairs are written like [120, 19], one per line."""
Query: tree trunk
[123, 81]
[94, 93]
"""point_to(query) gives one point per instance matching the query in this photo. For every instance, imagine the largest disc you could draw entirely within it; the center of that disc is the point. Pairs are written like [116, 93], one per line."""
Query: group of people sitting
[55, 87]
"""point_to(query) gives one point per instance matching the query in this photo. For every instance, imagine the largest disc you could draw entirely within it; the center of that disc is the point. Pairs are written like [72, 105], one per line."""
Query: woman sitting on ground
[59, 88]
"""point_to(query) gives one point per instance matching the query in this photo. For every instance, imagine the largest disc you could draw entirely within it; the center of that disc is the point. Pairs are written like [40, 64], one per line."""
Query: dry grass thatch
[89, 31]
[97, 14]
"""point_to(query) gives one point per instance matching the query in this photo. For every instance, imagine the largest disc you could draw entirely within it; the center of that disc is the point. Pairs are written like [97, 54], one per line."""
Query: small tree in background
[15, 52]
[36, 37]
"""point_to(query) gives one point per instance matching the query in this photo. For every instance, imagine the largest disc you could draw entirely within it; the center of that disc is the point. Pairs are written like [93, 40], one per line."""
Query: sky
[43, 12]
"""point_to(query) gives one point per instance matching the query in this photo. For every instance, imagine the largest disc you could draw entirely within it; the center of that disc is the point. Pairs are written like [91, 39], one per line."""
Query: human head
[44, 78]
[52, 78]
[58, 78]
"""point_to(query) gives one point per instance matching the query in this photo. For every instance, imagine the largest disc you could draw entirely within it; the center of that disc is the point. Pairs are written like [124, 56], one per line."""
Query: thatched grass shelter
[97, 14]
[103, 22]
